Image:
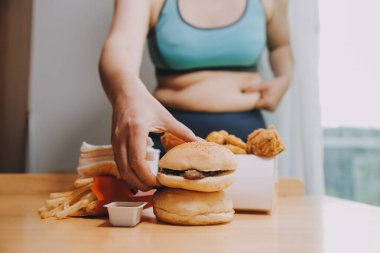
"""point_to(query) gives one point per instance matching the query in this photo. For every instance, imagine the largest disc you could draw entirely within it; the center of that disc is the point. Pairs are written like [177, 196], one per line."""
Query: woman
[205, 53]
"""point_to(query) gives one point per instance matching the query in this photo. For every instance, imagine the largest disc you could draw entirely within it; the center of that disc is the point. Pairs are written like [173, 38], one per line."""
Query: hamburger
[197, 166]
[181, 207]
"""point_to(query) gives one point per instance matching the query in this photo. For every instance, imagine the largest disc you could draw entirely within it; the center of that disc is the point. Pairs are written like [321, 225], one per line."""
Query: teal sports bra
[176, 46]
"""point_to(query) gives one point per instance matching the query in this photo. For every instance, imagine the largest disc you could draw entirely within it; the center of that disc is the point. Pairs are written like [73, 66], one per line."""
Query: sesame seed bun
[199, 155]
[203, 157]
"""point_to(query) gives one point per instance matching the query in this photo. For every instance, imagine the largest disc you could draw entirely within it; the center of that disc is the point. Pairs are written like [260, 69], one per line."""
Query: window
[349, 74]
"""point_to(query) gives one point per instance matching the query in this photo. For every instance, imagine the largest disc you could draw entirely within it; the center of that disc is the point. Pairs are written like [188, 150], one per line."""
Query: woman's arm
[122, 52]
[280, 57]
[278, 42]
[135, 111]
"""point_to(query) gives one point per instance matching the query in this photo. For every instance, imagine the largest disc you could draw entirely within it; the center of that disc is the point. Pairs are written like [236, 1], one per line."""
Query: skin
[136, 112]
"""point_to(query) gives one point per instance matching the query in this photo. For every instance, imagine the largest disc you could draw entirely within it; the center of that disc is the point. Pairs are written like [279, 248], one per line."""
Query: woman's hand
[133, 118]
[135, 111]
[271, 92]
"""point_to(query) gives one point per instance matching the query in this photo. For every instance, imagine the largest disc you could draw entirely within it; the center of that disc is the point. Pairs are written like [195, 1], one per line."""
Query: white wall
[67, 104]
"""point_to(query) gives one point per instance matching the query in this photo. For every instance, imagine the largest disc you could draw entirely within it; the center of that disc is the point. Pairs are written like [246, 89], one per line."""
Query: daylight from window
[349, 75]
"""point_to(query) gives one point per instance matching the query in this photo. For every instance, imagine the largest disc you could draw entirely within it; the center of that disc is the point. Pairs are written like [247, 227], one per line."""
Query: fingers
[260, 104]
[120, 149]
[257, 87]
[262, 89]
[251, 97]
[264, 103]
[136, 155]
[129, 144]
[180, 130]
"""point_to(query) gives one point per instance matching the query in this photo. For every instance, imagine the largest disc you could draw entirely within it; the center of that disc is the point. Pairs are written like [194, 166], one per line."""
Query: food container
[254, 186]
[125, 214]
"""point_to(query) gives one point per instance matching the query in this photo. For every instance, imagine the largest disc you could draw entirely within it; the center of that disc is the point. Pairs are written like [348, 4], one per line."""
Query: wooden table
[300, 224]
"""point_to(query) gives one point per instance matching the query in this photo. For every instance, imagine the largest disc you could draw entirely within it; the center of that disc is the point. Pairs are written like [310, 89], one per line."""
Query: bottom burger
[182, 207]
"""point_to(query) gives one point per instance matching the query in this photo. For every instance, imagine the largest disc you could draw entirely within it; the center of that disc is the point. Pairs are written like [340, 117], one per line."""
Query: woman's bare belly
[208, 91]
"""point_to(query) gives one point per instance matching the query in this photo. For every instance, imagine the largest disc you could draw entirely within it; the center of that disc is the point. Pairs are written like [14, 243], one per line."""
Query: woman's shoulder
[271, 6]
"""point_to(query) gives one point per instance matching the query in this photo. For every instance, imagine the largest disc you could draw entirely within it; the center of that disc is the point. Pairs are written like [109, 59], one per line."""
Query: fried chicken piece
[217, 137]
[169, 141]
[265, 142]
[236, 141]
[235, 149]
[223, 133]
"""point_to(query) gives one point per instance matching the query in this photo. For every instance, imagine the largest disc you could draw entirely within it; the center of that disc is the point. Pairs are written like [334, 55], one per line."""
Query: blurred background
[349, 89]
[51, 97]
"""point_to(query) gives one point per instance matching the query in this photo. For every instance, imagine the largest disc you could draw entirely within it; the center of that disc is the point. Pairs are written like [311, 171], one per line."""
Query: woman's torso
[206, 52]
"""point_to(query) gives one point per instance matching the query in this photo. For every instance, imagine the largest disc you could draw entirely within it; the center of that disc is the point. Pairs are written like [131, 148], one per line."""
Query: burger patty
[191, 174]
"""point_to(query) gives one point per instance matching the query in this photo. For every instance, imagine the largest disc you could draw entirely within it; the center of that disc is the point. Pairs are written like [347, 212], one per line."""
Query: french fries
[79, 202]
[90, 209]
[51, 212]
[79, 193]
[55, 195]
[71, 209]
[55, 202]
[83, 181]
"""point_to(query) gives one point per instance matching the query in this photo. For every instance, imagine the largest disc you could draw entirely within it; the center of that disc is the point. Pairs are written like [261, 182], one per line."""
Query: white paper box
[154, 156]
[254, 183]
